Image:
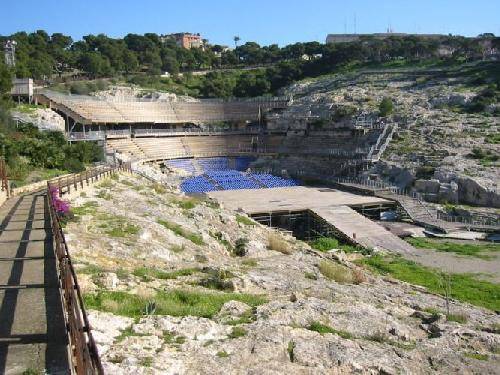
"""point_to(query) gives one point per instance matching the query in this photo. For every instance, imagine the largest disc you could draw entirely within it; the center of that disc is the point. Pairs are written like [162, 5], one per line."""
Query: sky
[263, 21]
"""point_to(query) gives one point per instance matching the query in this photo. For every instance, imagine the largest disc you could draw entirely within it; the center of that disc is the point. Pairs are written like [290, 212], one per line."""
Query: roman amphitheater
[189, 250]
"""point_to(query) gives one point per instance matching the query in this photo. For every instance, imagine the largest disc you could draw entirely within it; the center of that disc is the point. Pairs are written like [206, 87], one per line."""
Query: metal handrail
[85, 358]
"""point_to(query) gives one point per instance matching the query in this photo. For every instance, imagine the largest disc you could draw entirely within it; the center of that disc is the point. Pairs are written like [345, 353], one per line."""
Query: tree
[385, 107]
[236, 39]
[94, 64]
[130, 61]
[5, 79]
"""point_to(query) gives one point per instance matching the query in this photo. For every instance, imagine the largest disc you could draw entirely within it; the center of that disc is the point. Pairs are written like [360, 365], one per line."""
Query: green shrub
[237, 332]
[325, 243]
[245, 220]
[240, 247]
[386, 107]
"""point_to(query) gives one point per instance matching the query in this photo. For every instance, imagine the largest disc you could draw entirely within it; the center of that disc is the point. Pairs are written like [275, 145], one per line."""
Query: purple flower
[61, 207]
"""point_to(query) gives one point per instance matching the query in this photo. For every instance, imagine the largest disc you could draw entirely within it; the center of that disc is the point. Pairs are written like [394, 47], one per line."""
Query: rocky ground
[42, 118]
[244, 299]
[436, 134]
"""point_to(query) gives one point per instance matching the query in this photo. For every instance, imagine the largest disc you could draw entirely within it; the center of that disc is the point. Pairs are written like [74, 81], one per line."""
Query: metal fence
[84, 355]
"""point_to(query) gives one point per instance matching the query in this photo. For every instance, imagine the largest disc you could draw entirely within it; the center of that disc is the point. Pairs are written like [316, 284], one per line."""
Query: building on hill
[185, 40]
[346, 38]
[22, 88]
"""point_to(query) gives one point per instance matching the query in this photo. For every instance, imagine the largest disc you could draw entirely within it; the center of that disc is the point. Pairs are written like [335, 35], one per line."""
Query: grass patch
[218, 280]
[246, 318]
[479, 357]
[322, 329]
[310, 276]
[464, 287]
[127, 332]
[186, 203]
[104, 194]
[329, 243]
[106, 183]
[245, 220]
[474, 250]
[88, 208]
[237, 332]
[153, 273]
[277, 243]
[249, 262]
[91, 269]
[222, 354]
[325, 243]
[170, 338]
[290, 350]
[180, 231]
[459, 318]
[336, 272]
[159, 188]
[146, 362]
[175, 302]
[178, 248]
[116, 226]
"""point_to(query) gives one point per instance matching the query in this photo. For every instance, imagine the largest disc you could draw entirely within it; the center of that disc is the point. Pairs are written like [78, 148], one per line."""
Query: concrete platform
[362, 230]
[295, 198]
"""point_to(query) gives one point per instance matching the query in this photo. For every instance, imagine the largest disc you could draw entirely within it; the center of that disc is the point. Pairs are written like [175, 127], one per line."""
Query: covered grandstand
[89, 117]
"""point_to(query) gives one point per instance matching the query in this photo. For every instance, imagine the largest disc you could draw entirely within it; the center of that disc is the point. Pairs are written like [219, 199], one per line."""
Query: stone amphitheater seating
[159, 148]
[341, 145]
[218, 144]
[127, 147]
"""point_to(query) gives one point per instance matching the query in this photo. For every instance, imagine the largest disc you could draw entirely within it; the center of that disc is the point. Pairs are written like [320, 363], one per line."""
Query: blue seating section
[272, 181]
[219, 175]
[243, 162]
[213, 164]
[184, 164]
[233, 180]
[197, 184]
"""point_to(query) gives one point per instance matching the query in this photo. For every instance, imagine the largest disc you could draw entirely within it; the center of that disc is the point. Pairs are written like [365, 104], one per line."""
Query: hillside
[181, 285]
[448, 123]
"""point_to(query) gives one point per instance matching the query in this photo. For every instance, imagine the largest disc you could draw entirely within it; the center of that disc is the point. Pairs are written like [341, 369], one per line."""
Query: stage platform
[296, 198]
[337, 208]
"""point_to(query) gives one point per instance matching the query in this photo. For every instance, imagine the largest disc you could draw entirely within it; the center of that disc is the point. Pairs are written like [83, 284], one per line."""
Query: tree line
[25, 148]
[41, 55]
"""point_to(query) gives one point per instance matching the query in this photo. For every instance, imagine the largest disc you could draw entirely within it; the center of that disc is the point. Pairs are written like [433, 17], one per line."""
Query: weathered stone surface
[379, 325]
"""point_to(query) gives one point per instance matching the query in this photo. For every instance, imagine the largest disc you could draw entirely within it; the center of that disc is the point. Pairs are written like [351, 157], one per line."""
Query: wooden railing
[3, 176]
[78, 181]
[84, 354]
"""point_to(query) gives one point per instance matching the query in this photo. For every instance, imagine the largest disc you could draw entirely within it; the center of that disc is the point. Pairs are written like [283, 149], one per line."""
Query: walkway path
[32, 328]
[362, 230]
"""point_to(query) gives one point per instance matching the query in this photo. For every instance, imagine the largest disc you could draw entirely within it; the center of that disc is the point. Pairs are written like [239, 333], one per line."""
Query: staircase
[383, 141]
[213, 182]
[259, 183]
[197, 167]
[187, 149]
[420, 212]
